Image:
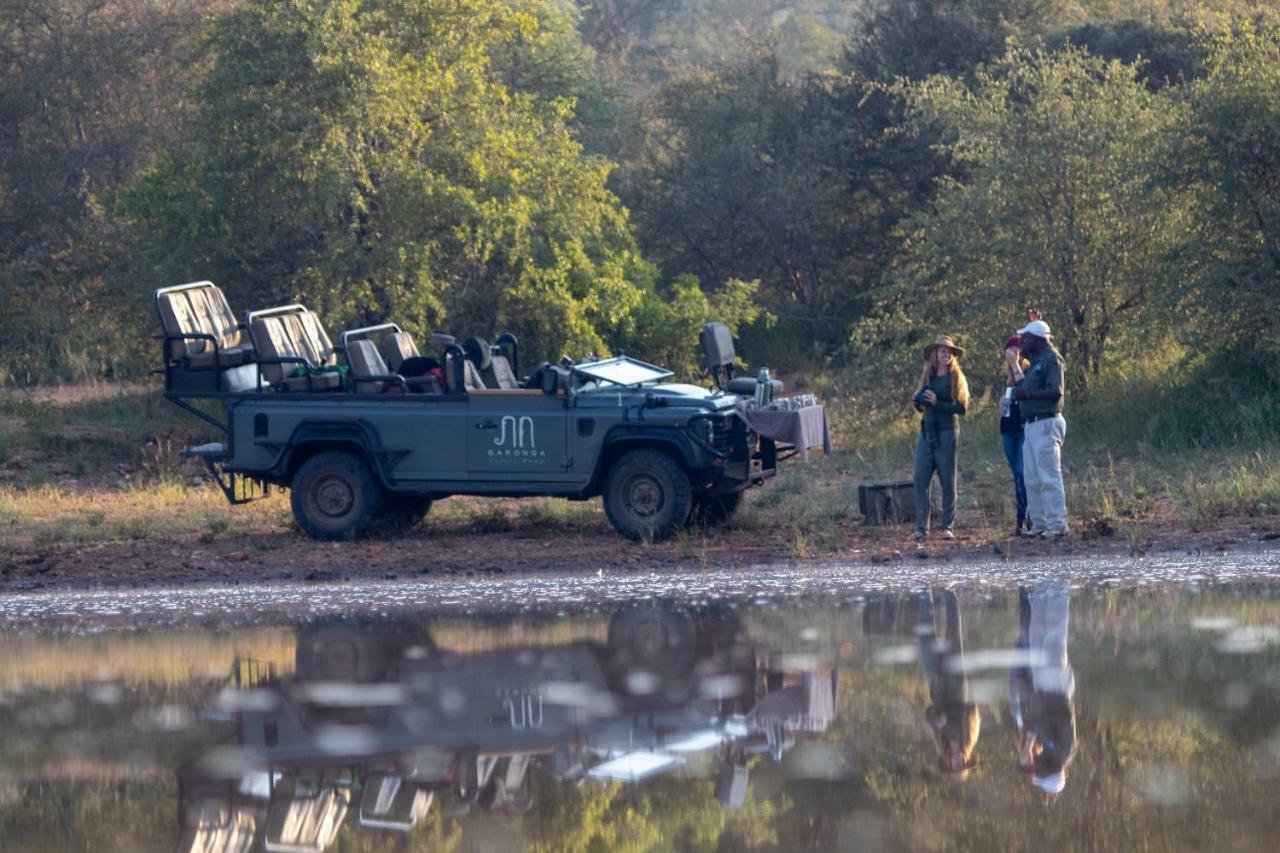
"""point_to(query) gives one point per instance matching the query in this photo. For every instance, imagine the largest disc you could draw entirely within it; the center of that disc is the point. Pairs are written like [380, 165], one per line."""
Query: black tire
[338, 651]
[653, 636]
[401, 512]
[647, 495]
[709, 512]
[335, 496]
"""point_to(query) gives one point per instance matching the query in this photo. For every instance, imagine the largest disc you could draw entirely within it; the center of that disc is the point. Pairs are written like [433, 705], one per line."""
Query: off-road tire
[647, 495]
[710, 512]
[335, 496]
[401, 512]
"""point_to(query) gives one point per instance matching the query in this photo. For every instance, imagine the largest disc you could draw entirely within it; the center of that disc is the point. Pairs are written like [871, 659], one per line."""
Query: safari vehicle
[361, 441]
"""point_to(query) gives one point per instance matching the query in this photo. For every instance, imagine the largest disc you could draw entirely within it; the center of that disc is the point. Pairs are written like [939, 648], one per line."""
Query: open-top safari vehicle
[370, 430]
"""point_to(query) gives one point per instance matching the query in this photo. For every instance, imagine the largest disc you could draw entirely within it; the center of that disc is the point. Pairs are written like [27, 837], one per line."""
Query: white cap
[1055, 783]
[1039, 328]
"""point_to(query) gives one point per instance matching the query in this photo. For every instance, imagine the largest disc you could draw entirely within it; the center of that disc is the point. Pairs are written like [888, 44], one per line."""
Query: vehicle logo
[517, 435]
[516, 442]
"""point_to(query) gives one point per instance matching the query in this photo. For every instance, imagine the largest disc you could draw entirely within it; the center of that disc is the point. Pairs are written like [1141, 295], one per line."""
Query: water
[1117, 705]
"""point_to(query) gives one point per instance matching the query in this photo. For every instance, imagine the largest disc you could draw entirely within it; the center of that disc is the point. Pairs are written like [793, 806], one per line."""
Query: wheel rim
[333, 497]
[644, 496]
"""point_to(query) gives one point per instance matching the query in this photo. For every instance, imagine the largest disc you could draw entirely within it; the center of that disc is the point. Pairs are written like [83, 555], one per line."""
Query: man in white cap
[1040, 393]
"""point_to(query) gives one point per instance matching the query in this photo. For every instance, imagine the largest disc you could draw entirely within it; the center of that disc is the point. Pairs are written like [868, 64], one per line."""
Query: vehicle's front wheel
[335, 496]
[647, 495]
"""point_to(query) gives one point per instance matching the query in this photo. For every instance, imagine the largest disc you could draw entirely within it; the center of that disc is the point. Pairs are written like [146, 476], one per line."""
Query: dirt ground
[288, 556]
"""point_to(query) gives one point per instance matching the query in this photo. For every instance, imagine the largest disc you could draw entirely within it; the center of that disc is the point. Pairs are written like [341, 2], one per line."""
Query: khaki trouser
[1042, 472]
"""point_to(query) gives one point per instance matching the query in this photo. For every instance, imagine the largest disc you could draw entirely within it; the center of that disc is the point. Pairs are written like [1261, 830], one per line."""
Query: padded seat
[745, 386]
[493, 368]
[201, 308]
[396, 347]
[291, 339]
[370, 374]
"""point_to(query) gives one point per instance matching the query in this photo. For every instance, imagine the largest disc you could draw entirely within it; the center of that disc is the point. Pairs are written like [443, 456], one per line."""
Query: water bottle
[764, 387]
[1006, 403]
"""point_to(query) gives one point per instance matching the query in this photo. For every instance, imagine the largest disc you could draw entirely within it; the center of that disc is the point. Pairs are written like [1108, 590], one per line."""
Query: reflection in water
[952, 716]
[377, 720]
[1042, 693]
[662, 725]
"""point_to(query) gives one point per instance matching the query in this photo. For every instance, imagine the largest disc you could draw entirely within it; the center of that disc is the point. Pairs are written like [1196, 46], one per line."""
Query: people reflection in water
[1041, 694]
[952, 717]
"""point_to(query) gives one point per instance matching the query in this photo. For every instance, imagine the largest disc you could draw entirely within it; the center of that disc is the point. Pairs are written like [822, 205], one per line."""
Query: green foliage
[372, 159]
[1053, 207]
[1229, 154]
[667, 320]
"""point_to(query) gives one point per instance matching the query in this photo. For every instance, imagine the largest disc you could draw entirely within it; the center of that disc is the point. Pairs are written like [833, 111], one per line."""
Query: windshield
[622, 370]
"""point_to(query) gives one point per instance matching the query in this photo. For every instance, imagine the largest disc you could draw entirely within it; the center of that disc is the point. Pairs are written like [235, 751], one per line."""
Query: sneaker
[918, 535]
[947, 534]
[1032, 534]
[1055, 537]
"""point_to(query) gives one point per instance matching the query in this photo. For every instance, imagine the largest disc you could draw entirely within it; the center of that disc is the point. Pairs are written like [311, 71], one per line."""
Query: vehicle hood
[680, 394]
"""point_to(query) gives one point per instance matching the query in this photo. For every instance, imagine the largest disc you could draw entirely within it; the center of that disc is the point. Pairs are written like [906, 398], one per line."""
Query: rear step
[238, 488]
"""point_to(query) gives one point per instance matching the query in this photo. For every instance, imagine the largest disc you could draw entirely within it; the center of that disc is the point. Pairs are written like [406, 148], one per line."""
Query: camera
[918, 399]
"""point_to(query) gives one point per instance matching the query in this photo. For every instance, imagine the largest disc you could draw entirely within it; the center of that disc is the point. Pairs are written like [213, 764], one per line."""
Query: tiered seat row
[287, 349]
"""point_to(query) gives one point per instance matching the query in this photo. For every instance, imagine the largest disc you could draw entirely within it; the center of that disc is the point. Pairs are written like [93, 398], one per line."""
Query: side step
[238, 488]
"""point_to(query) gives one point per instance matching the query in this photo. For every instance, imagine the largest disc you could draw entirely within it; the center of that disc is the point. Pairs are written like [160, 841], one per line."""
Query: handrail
[191, 285]
[279, 309]
[367, 330]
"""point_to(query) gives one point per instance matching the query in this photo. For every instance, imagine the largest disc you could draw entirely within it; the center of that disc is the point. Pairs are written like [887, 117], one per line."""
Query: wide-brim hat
[944, 341]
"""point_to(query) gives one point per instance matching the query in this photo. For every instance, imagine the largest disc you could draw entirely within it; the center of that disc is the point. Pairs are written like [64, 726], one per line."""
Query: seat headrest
[439, 340]
[478, 352]
[717, 345]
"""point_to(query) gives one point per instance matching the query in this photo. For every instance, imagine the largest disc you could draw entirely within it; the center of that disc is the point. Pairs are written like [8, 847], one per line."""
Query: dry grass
[51, 515]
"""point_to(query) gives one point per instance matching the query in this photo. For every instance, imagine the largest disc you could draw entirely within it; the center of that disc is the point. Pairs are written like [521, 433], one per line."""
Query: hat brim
[928, 351]
[1032, 333]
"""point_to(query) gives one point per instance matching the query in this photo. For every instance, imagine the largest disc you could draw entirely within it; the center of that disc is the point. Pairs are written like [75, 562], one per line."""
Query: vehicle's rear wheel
[335, 496]
[400, 512]
[708, 512]
[647, 495]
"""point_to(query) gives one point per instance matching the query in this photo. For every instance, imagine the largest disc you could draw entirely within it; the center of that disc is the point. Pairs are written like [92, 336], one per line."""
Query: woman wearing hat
[942, 398]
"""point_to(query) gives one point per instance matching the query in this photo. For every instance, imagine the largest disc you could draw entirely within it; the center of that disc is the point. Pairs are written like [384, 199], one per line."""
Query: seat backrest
[197, 308]
[365, 361]
[310, 333]
[470, 376]
[500, 374]
[717, 346]
[275, 337]
[396, 347]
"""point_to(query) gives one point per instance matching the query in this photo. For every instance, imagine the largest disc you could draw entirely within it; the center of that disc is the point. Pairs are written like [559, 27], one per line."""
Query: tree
[409, 160]
[1228, 269]
[88, 92]
[1055, 205]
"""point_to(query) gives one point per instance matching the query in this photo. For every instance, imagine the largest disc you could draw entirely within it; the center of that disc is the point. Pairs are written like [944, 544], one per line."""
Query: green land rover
[371, 431]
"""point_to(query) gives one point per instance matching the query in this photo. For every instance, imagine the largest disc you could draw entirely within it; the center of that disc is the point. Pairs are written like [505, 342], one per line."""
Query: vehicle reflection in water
[379, 721]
